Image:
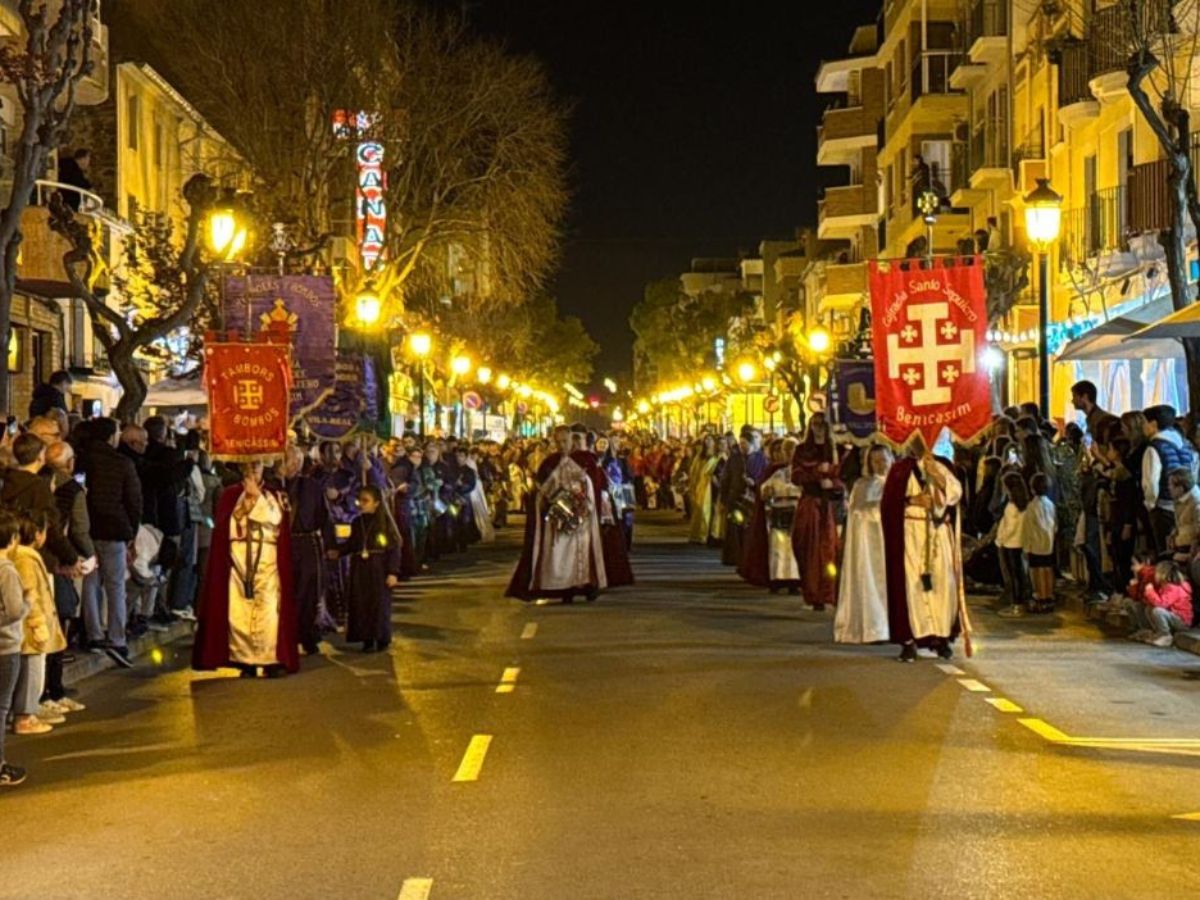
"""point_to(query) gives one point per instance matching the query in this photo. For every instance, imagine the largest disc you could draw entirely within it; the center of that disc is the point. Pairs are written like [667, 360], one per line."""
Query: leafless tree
[56, 56]
[1165, 36]
[164, 283]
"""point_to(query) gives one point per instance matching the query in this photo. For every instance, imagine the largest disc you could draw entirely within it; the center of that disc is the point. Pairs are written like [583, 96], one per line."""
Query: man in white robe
[924, 565]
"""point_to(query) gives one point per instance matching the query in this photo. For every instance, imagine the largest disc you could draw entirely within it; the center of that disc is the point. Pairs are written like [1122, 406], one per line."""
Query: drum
[781, 515]
[567, 510]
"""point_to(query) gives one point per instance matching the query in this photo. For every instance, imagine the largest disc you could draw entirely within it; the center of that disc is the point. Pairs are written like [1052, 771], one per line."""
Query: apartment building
[36, 346]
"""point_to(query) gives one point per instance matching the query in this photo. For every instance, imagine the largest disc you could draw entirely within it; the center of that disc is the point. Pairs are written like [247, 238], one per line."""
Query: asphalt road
[687, 738]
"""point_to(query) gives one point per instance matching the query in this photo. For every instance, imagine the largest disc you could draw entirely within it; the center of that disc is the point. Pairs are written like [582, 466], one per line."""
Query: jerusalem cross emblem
[930, 353]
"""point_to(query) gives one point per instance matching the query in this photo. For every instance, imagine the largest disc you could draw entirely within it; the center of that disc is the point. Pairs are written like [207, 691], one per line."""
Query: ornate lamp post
[1043, 217]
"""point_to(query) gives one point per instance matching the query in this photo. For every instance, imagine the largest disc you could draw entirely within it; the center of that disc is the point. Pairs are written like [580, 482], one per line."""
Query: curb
[87, 664]
[1188, 641]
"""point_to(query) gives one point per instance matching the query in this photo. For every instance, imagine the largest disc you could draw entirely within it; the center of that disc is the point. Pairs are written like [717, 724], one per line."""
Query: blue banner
[353, 401]
[853, 397]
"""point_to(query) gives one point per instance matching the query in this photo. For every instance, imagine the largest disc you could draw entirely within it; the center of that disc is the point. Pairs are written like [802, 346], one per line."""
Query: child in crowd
[375, 568]
[43, 634]
[1160, 603]
[1186, 495]
[1038, 528]
[1009, 543]
[14, 608]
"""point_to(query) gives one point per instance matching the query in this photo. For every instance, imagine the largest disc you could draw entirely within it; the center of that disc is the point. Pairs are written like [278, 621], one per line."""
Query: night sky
[694, 133]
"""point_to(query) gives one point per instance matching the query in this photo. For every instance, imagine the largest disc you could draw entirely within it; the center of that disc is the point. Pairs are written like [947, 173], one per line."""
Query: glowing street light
[420, 344]
[708, 383]
[461, 365]
[610, 385]
[746, 371]
[503, 382]
[367, 307]
[1043, 217]
[226, 234]
[818, 340]
[483, 375]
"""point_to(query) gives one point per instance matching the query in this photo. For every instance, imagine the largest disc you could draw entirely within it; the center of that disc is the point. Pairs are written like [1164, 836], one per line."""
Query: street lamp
[1043, 217]
[461, 367]
[483, 375]
[420, 344]
[818, 340]
[226, 235]
[746, 372]
[367, 306]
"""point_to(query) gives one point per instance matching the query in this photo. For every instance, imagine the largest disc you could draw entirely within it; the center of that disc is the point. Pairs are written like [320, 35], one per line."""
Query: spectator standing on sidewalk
[43, 636]
[1166, 452]
[1008, 543]
[1083, 398]
[1038, 529]
[14, 609]
[114, 503]
[51, 395]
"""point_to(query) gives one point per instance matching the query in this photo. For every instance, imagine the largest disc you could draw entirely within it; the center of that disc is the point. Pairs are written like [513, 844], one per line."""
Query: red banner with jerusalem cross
[928, 327]
[248, 391]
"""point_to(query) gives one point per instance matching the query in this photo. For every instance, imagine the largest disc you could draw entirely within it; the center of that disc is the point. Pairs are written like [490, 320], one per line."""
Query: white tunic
[254, 621]
[479, 508]
[932, 613]
[862, 616]
[781, 554]
[563, 560]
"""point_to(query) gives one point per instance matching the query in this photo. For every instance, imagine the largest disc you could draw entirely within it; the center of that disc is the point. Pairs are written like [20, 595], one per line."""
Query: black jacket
[46, 398]
[164, 471]
[25, 492]
[114, 493]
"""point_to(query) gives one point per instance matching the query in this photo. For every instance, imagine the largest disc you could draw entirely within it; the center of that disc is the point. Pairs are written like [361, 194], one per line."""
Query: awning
[1113, 340]
[177, 392]
[1182, 324]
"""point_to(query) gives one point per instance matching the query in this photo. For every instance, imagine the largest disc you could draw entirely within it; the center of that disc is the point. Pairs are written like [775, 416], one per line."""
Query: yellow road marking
[1180, 746]
[415, 889]
[508, 681]
[1188, 817]
[472, 761]
[1045, 730]
[1003, 705]
[950, 669]
[977, 687]
[529, 631]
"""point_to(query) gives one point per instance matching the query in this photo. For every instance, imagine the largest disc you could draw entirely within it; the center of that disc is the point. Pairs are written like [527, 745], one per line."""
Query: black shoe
[99, 647]
[248, 672]
[368, 647]
[11, 776]
[591, 595]
[275, 671]
[569, 599]
[946, 651]
[119, 655]
[794, 591]
[908, 653]
[818, 607]
[311, 649]
[383, 646]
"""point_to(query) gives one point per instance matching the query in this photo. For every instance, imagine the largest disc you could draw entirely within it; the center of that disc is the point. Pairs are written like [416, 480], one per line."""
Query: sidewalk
[1083, 679]
[141, 649]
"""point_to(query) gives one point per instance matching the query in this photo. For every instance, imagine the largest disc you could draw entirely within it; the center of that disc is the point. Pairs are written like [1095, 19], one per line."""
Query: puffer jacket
[24, 492]
[114, 493]
[43, 634]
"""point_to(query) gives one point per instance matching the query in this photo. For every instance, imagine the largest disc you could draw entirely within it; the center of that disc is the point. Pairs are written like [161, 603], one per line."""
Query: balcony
[845, 286]
[1112, 38]
[843, 134]
[1077, 105]
[1150, 203]
[985, 28]
[990, 162]
[40, 266]
[932, 73]
[1098, 228]
[845, 210]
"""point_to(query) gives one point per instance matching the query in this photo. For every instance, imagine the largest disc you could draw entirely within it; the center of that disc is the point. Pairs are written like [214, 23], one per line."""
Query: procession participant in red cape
[612, 535]
[247, 616]
[563, 555]
[769, 560]
[862, 587]
[924, 565]
[814, 533]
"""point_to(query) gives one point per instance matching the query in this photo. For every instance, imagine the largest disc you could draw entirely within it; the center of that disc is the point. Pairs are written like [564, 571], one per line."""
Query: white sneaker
[30, 725]
[67, 705]
[51, 714]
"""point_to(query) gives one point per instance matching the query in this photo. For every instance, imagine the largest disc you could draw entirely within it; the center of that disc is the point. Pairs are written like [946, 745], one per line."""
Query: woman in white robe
[479, 506]
[862, 616]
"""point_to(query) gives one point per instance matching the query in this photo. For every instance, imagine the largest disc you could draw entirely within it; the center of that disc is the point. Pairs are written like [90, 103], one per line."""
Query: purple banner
[351, 403]
[306, 306]
[853, 400]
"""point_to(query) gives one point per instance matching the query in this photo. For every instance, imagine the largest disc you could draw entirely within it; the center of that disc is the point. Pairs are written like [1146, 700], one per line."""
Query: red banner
[248, 389]
[928, 328]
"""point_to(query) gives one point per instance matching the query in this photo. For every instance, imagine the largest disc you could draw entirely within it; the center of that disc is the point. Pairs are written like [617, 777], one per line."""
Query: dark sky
[694, 133]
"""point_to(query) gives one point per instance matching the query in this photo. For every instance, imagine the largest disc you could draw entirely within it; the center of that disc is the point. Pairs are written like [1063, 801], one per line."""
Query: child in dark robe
[375, 568]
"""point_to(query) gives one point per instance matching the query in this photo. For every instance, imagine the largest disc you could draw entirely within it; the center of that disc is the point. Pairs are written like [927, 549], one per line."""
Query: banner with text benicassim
[303, 307]
[928, 323]
[248, 392]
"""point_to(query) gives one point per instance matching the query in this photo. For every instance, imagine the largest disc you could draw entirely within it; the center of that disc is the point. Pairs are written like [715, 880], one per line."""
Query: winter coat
[114, 493]
[14, 608]
[25, 492]
[72, 509]
[43, 634]
[46, 398]
[1176, 598]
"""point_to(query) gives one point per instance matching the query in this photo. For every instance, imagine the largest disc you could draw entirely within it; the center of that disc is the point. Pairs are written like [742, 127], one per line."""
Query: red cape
[755, 567]
[895, 499]
[211, 647]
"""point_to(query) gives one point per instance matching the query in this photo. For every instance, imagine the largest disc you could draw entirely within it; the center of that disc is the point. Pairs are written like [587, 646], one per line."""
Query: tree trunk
[133, 384]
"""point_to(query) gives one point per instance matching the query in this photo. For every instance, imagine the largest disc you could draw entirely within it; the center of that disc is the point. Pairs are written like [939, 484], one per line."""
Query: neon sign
[370, 208]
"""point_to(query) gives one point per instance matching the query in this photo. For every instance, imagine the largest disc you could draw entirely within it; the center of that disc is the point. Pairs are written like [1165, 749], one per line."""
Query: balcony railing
[1100, 226]
[1150, 205]
[1032, 146]
[1113, 34]
[984, 19]
[1074, 73]
[931, 72]
[989, 145]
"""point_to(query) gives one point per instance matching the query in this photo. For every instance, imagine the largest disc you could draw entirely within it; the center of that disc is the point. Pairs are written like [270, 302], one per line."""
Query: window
[887, 85]
[158, 144]
[133, 123]
[901, 67]
[16, 347]
[889, 188]
[902, 175]
[40, 352]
